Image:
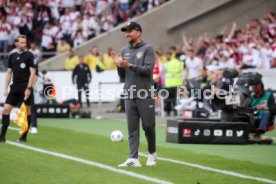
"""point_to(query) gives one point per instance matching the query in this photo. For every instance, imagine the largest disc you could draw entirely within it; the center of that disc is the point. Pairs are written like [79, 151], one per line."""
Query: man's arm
[32, 67]
[74, 74]
[32, 77]
[35, 80]
[121, 72]
[36, 75]
[185, 41]
[30, 83]
[185, 73]
[271, 106]
[117, 58]
[7, 81]
[89, 75]
[149, 60]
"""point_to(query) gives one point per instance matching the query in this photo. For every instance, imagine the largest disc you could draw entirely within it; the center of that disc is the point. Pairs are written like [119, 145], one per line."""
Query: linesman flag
[21, 119]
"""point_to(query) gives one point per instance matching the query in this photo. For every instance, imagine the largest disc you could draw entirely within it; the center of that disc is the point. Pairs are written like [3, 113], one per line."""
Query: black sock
[261, 131]
[24, 136]
[5, 125]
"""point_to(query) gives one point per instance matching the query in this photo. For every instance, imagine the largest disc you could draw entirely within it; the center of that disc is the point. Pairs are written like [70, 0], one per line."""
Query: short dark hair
[3, 11]
[173, 48]
[20, 36]
[191, 50]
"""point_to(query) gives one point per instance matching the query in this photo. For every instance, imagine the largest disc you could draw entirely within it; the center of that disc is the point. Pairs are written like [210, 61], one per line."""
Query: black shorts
[17, 94]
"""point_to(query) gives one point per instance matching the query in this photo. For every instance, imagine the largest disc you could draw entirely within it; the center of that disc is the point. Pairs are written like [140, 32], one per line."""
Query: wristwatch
[29, 88]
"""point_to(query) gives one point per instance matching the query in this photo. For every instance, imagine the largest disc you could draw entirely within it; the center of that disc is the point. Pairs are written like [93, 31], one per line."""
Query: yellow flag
[21, 119]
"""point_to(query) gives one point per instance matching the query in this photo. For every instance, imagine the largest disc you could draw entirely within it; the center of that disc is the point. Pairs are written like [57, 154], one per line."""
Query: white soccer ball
[116, 136]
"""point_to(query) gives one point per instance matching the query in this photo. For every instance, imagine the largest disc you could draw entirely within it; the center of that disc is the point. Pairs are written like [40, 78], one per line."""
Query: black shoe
[257, 136]
[22, 140]
[2, 140]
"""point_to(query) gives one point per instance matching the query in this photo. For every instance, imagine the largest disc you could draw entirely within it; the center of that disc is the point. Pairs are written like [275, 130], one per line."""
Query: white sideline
[14, 128]
[88, 162]
[230, 173]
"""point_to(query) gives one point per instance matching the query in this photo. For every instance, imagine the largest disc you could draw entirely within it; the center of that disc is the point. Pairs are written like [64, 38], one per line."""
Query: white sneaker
[179, 107]
[33, 130]
[131, 162]
[151, 159]
[185, 101]
[191, 106]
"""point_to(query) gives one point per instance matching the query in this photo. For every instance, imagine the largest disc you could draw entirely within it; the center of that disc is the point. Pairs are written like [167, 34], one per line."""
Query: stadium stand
[193, 17]
[49, 21]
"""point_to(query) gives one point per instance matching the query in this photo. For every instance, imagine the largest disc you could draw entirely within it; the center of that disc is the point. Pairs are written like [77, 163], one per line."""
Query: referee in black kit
[21, 70]
[135, 65]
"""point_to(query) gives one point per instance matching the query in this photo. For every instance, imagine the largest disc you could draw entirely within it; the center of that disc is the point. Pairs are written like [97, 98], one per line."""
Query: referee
[21, 70]
[135, 66]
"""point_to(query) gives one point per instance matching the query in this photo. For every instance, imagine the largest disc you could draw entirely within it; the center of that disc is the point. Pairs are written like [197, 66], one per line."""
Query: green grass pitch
[89, 139]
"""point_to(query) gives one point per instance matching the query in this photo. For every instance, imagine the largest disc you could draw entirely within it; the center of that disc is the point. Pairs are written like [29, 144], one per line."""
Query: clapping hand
[119, 60]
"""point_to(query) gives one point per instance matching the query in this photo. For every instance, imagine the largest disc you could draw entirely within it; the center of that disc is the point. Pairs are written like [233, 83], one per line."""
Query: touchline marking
[88, 162]
[14, 128]
[230, 173]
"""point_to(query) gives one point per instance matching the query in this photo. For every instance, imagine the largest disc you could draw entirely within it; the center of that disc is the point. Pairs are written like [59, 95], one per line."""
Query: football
[116, 136]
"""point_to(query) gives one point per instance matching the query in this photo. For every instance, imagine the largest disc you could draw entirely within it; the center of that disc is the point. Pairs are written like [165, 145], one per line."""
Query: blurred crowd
[199, 63]
[59, 24]
[253, 46]
[95, 60]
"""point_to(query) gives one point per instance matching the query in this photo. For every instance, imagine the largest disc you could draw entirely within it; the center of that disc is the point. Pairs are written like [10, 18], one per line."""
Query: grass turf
[262, 154]
[89, 139]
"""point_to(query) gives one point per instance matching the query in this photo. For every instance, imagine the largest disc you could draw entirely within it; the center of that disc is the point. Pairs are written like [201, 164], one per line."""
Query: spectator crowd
[253, 46]
[196, 63]
[55, 23]
[60, 25]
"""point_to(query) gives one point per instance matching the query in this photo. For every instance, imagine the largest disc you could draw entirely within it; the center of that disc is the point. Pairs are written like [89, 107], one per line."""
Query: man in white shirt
[250, 58]
[67, 3]
[225, 61]
[5, 29]
[193, 69]
[36, 52]
[66, 23]
[47, 42]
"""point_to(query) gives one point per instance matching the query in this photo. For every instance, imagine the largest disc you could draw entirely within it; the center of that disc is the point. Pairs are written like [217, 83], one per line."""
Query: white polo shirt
[194, 66]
